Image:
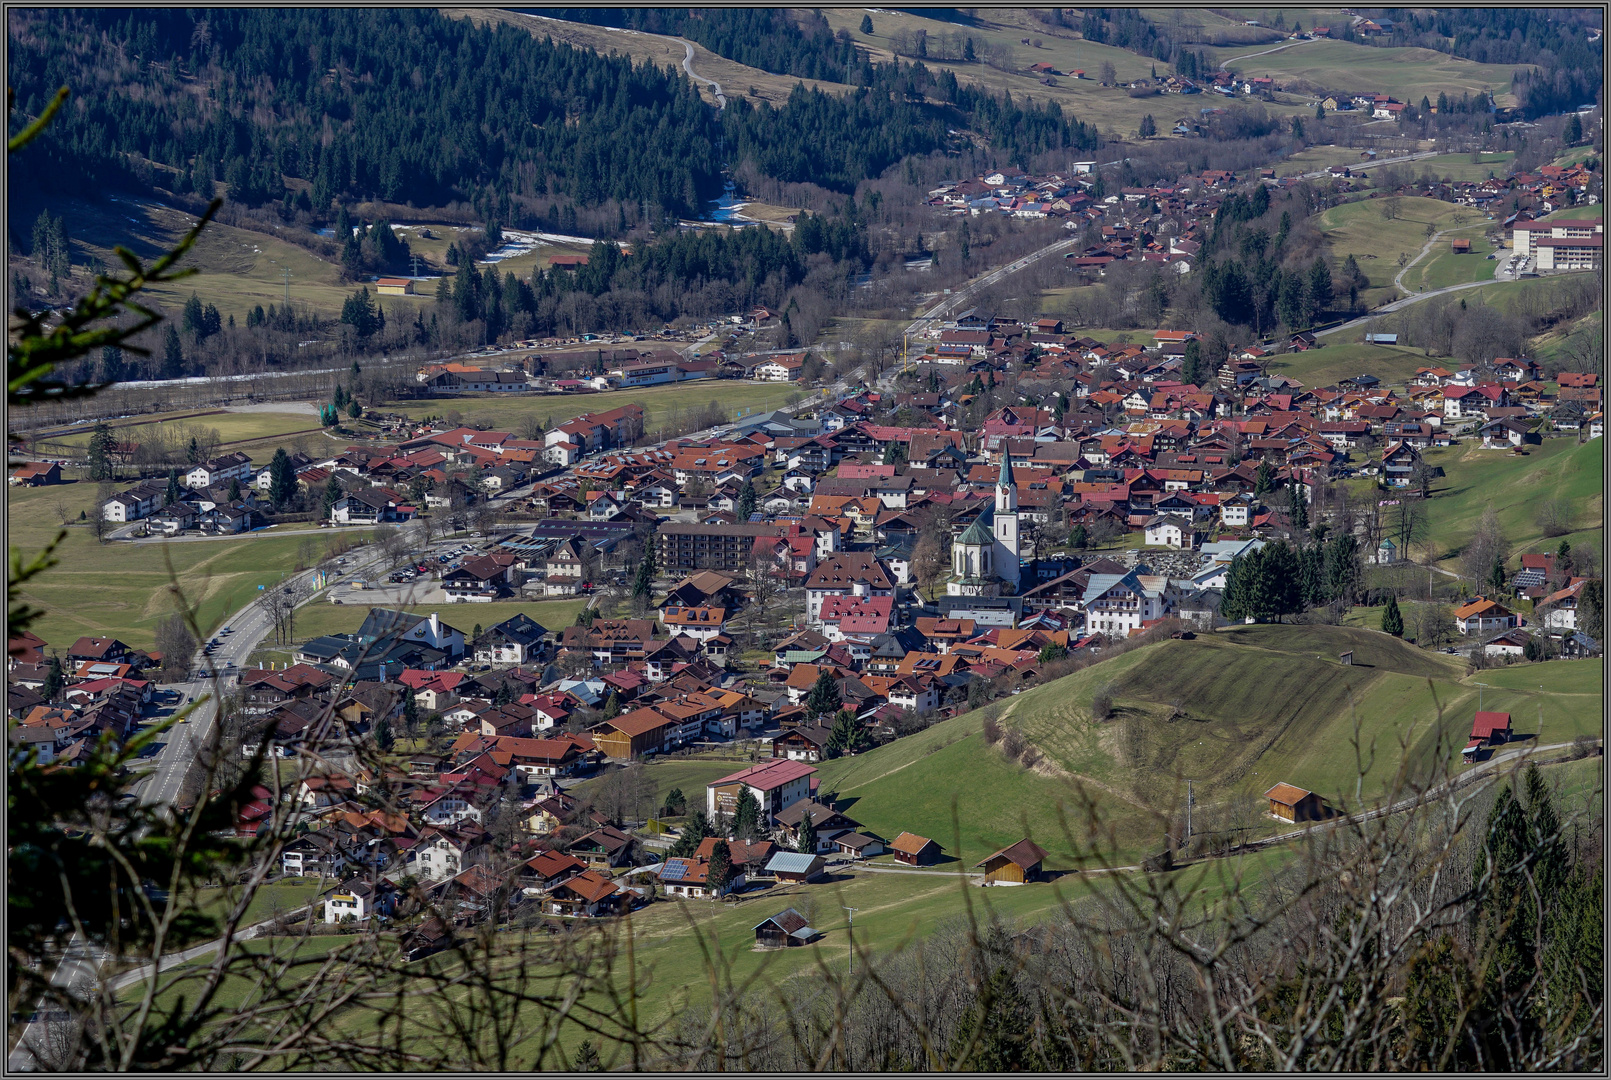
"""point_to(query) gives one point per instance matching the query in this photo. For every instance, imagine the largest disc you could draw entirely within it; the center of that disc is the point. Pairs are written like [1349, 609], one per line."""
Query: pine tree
[282, 478]
[612, 706]
[846, 736]
[383, 733]
[719, 871]
[173, 494]
[1300, 506]
[1591, 609]
[411, 713]
[1496, 575]
[234, 488]
[746, 817]
[332, 494]
[695, 830]
[101, 444]
[1392, 620]
[746, 501]
[1078, 537]
[805, 838]
[173, 354]
[1264, 479]
[1233, 597]
[54, 681]
[824, 696]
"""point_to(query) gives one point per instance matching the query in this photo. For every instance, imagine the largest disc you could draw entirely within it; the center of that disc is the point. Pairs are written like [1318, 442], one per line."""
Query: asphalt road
[688, 66]
[249, 627]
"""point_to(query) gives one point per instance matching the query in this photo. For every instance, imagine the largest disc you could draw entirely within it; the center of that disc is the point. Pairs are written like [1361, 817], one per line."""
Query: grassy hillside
[237, 268]
[256, 433]
[1376, 242]
[1234, 712]
[122, 590]
[1461, 167]
[1442, 267]
[1515, 486]
[1342, 359]
[1406, 74]
[1110, 108]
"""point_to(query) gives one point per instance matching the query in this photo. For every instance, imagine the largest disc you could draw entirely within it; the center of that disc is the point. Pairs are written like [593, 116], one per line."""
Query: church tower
[1005, 529]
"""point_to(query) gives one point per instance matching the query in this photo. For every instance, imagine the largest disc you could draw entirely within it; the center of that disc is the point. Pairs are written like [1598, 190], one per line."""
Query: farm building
[1460, 247]
[795, 866]
[1487, 729]
[788, 927]
[394, 286]
[914, 850]
[1293, 803]
[1014, 865]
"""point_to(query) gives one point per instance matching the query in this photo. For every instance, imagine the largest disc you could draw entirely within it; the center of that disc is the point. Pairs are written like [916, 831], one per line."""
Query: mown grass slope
[1515, 486]
[1235, 712]
[1376, 242]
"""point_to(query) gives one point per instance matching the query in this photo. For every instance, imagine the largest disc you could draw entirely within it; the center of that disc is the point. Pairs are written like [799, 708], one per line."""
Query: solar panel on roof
[673, 871]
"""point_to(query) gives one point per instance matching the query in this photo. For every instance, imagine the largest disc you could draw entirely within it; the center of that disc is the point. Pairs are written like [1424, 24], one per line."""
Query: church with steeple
[985, 557]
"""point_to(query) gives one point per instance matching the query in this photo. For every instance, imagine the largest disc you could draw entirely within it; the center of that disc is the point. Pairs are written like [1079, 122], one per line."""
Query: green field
[1515, 486]
[1342, 359]
[237, 268]
[1314, 158]
[257, 433]
[1359, 229]
[1461, 167]
[1110, 107]
[1595, 213]
[1406, 74]
[661, 404]
[1441, 267]
[1256, 705]
[689, 774]
[122, 589]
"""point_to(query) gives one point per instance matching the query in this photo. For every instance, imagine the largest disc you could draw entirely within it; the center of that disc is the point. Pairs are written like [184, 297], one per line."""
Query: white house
[781, 368]
[220, 470]
[776, 785]
[1117, 604]
[1482, 615]
[1167, 530]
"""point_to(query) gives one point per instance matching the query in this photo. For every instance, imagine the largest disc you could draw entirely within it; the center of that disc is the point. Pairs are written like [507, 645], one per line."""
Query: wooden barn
[792, 867]
[1015, 865]
[1293, 803]
[914, 850]
[788, 927]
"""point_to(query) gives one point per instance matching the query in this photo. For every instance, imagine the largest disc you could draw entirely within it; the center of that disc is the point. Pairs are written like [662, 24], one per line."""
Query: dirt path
[1398, 281]
[1225, 64]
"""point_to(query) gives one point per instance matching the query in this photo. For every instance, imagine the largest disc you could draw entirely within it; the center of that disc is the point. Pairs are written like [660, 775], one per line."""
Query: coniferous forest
[409, 106]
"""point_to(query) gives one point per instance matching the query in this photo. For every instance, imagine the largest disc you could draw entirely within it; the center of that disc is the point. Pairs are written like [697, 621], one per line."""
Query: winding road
[1224, 65]
[688, 66]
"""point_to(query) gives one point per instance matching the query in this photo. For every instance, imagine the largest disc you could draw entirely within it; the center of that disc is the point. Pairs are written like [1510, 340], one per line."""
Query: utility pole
[1188, 811]
[415, 262]
[850, 930]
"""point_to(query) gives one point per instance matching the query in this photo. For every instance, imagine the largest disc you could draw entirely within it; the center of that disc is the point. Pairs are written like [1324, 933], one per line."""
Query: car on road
[228, 630]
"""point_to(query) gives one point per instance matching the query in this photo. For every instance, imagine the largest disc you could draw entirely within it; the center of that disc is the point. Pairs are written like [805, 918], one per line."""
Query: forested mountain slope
[403, 105]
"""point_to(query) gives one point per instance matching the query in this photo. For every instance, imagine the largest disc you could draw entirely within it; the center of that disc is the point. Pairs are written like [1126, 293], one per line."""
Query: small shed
[859, 845]
[1293, 803]
[795, 866]
[1014, 865]
[787, 928]
[394, 286]
[914, 850]
[1460, 247]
